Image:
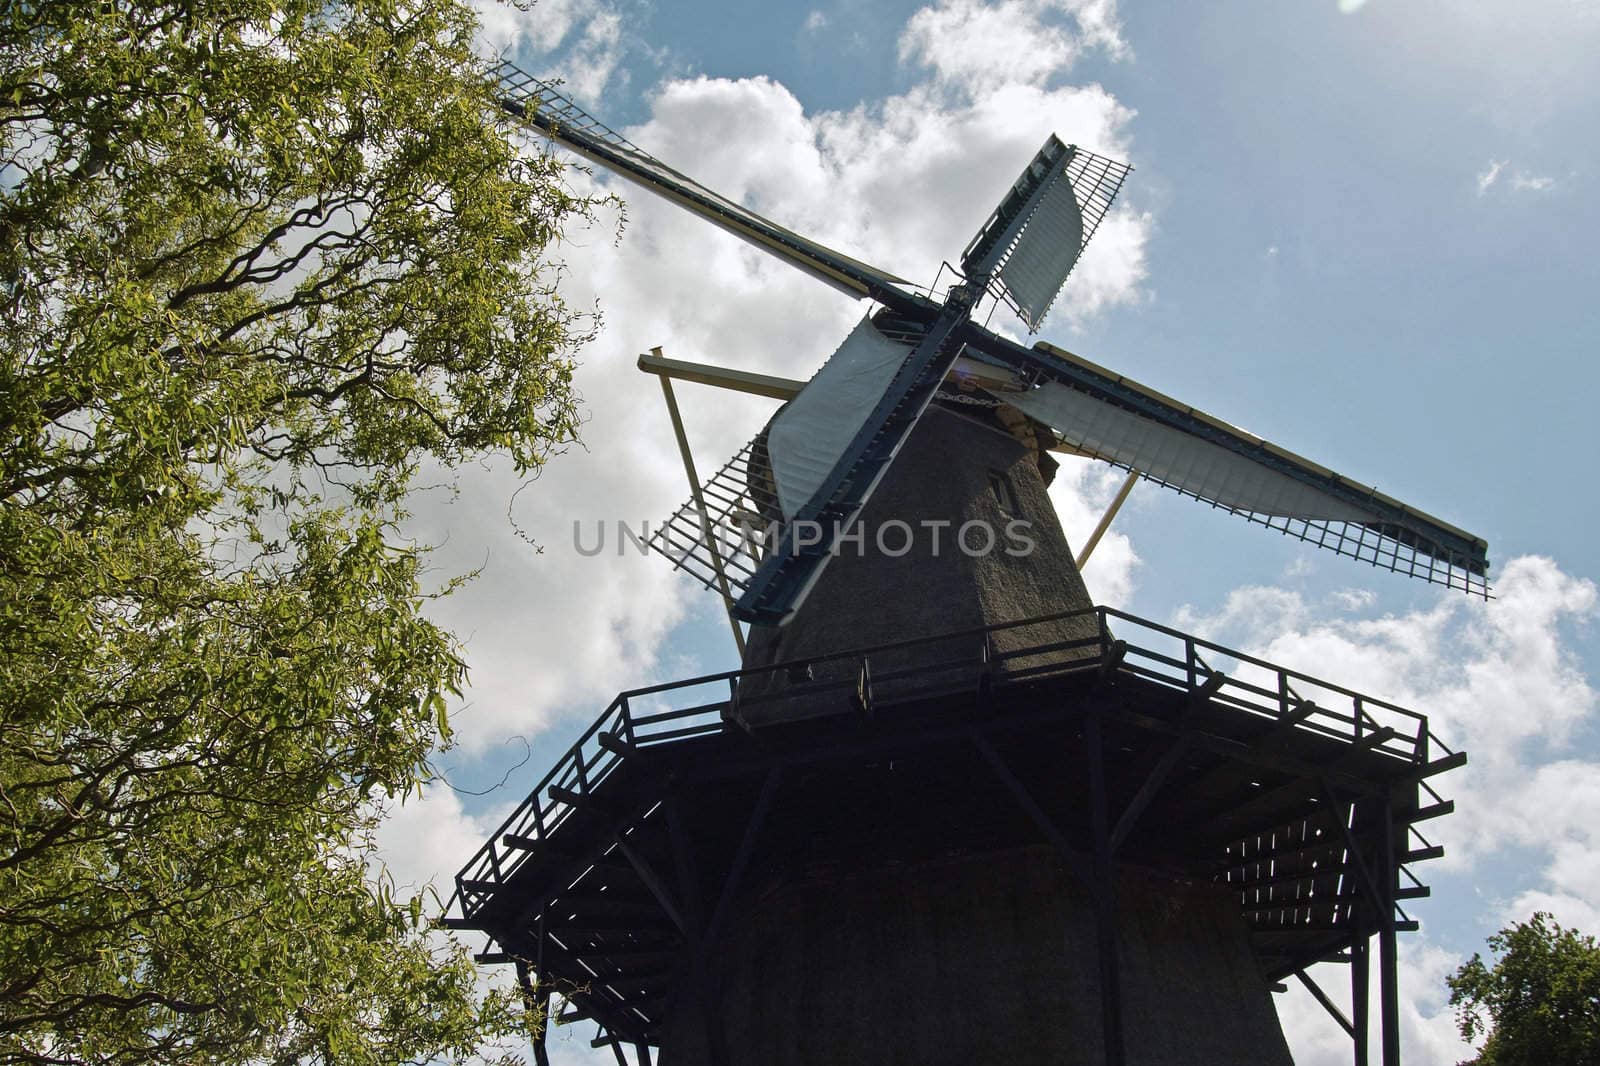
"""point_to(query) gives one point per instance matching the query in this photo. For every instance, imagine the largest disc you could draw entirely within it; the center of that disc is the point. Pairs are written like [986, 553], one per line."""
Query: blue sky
[1365, 231]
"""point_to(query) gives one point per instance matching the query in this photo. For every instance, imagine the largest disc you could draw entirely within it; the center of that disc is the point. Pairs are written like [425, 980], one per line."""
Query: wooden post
[1388, 963]
[1105, 906]
[1360, 990]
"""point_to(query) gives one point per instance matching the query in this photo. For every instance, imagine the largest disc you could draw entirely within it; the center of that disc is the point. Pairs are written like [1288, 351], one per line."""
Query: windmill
[945, 779]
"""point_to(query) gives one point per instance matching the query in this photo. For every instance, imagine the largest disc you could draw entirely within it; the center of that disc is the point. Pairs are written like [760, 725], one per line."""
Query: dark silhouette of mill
[949, 810]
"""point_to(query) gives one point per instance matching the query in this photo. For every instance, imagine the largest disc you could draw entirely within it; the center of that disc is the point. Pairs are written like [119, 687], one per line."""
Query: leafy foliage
[1540, 1001]
[260, 261]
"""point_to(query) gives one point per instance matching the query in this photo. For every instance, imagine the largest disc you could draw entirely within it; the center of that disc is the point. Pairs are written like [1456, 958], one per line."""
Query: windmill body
[960, 536]
[950, 810]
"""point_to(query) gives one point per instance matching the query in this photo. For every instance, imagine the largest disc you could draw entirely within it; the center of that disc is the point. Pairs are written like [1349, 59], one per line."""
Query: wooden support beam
[709, 541]
[1105, 900]
[1147, 791]
[1375, 738]
[1313, 814]
[583, 800]
[1075, 860]
[1111, 661]
[1307, 784]
[1388, 951]
[1327, 1004]
[1360, 996]
[1300, 848]
[741, 858]
[1105, 519]
[653, 882]
[1209, 688]
[1372, 884]
[1274, 734]
[775, 388]
[1434, 810]
[540, 1002]
[1291, 718]
[1300, 929]
[683, 867]
[1438, 766]
[616, 745]
[602, 927]
[1261, 803]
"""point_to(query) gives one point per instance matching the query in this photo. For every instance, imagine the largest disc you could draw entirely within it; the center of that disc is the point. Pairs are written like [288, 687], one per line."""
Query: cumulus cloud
[575, 42]
[1082, 491]
[978, 47]
[426, 838]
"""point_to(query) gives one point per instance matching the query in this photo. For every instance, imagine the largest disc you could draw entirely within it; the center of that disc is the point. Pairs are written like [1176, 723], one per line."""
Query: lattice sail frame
[1365, 542]
[1028, 247]
[743, 516]
[536, 94]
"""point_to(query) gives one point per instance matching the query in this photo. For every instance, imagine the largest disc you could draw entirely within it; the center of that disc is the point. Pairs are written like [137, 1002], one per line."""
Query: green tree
[260, 262]
[1539, 1004]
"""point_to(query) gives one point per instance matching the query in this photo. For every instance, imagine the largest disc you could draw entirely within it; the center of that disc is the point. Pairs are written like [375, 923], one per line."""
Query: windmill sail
[807, 438]
[779, 506]
[564, 122]
[1033, 239]
[1110, 417]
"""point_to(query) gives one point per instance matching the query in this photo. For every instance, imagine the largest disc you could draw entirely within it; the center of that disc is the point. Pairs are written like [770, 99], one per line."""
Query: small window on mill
[1000, 485]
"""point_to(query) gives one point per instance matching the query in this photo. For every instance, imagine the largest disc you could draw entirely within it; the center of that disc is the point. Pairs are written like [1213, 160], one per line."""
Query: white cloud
[1522, 181]
[816, 21]
[1355, 599]
[1568, 910]
[979, 47]
[1081, 492]
[575, 42]
[1491, 174]
[424, 840]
